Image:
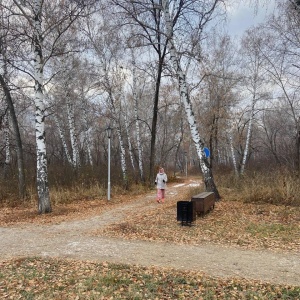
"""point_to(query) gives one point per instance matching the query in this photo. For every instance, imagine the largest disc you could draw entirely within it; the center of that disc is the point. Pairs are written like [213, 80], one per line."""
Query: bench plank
[204, 202]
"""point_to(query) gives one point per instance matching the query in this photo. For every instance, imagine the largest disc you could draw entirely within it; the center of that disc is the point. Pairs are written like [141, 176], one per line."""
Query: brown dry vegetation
[243, 218]
[255, 225]
[250, 226]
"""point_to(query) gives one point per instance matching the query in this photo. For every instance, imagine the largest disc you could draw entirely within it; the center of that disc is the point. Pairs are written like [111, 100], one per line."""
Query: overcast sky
[241, 15]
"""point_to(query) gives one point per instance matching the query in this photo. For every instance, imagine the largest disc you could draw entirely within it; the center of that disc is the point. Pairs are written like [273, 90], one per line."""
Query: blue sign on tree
[207, 152]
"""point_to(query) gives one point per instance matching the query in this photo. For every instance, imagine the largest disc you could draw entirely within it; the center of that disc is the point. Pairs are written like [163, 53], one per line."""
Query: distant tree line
[161, 74]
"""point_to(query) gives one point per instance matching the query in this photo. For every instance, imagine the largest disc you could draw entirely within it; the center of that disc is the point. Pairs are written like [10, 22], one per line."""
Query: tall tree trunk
[136, 115]
[123, 158]
[44, 205]
[73, 135]
[232, 152]
[7, 147]
[14, 120]
[154, 120]
[129, 141]
[248, 137]
[88, 138]
[298, 147]
[184, 96]
[63, 140]
[178, 144]
[122, 148]
[211, 142]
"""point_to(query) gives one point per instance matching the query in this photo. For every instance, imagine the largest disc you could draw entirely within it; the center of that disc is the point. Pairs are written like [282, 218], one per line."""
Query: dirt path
[73, 239]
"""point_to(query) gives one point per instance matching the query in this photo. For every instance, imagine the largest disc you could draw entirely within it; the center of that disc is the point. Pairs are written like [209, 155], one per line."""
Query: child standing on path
[160, 181]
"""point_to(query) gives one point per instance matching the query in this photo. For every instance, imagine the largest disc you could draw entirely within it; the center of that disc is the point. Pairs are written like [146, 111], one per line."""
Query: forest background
[168, 80]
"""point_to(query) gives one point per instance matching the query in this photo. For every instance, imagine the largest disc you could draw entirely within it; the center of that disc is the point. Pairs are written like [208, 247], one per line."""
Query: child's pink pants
[160, 194]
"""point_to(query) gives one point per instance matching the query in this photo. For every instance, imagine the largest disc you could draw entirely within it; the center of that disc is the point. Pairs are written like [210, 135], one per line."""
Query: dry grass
[241, 218]
[37, 278]
[278, 187]
[247, 225]
[66, 205]
[234, 222]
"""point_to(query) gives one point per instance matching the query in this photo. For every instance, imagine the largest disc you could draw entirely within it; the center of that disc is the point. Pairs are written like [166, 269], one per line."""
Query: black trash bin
[186, 212]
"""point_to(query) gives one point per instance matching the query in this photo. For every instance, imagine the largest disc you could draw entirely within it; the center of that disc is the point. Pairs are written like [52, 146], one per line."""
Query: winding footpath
[73, 239]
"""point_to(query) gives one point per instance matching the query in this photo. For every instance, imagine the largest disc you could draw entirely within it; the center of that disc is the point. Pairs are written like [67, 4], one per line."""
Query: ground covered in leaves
[246, 225]
[26, 213]
[234, 223]
[35, 278]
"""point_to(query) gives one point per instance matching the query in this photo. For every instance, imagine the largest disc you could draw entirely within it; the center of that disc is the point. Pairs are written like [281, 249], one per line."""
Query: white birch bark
[88, 138]
[184, 96]
[12, 119]
[121, 144]
[136, 115]
[122, 155]
[129, 141]
[232, 151]
[114, 112]
[6, 117]
[88, 146]
[248, 137]
[255, 82]
[44, 205]
[7, 146]
[73, 135]
[63, 140]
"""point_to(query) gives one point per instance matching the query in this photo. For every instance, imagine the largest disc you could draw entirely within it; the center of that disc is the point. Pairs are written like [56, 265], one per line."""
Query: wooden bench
[204, 202]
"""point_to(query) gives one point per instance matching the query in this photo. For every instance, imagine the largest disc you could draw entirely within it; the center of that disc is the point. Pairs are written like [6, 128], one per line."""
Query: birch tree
[220, 78]
[114, 98]
[63, 140]
[170, 21]
[20, 157]
[73, 134]
[283, 63]
[46, 36]
[128, 138]
[146, 17]
[230, 134]
[7, 146]
[5, 84]
[136, 116]
[111, 77]
[44, 205]
[254, 79]
[286, 25]
[87, 131]
[69, 98]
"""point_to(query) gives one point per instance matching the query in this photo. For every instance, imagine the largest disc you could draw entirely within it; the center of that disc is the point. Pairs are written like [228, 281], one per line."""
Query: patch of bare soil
[136, 232]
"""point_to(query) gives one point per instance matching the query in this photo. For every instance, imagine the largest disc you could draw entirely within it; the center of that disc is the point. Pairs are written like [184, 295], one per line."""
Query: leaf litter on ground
[46, 278]
[245, 225]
